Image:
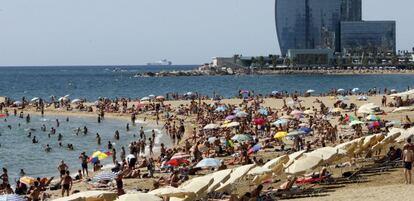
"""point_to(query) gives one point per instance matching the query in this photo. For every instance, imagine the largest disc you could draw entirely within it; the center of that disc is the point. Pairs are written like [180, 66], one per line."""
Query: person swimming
[34, 140]
[48, 148]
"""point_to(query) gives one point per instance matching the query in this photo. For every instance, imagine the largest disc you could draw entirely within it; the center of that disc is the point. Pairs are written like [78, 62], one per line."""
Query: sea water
[92, 82]
[18, 152]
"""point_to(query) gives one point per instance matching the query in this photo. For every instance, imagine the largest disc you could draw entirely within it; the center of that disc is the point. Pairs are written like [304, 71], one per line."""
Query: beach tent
[235, 175]
[138, 197]
[90, 196]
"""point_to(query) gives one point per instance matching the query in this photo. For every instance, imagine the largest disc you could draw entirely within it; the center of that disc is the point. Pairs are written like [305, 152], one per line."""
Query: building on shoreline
[330, 24]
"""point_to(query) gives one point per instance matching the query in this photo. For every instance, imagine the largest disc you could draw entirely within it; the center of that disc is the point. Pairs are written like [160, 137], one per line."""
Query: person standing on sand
[66, 183]
[62, 168]
[408, 159]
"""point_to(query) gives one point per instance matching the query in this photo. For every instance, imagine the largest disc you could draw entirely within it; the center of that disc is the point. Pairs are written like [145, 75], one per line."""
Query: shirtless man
[62, 168]
[35, 194]
[66, 183]
[408, 159]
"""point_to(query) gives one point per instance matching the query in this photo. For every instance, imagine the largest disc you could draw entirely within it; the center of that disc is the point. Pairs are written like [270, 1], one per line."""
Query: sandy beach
[383, 186]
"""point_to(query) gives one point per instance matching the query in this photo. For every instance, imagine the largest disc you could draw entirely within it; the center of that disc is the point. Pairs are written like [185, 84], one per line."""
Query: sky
[133, 32]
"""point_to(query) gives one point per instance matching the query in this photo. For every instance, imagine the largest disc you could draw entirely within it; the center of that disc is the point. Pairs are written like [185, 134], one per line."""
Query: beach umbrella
[211, 126]
[328, 154]
[160, 97]
[310, 91]
[375, 124]
[305, 129]
[293, 156]
[263, 111]
[308, 112]
[235, 111]
[280, 134]
[275, 92]
[218, 178]
[152, 96]
[368, 108]
[198, 185]
[280, 122]
[208, 162]
[259, 121]
[180, 155]
[35, 99]
[355, 90]
[232, 124]
[372, 117]
[90, 196]
[29, 181]
[340, 90]
[242, 137]
[255, 149]
[17, 103]
[212, 139]
[303, 164]
[189, 93]
[402, 109]
[3, 115]
[235, 175]
[355, 122]
[337, 109]
[276, 164]
[362, 98]
[342, 98]
[231, 117]
[296, 133]
[97, 156]
[146, 98]
[244, 91]
[138, 197]
[296, 112]
[64, 99]
[105, 176]
[170, 191]
[178, 162]
[11, 197]
[241, 114]
[220, 109]
[394, 123]
[76, 101]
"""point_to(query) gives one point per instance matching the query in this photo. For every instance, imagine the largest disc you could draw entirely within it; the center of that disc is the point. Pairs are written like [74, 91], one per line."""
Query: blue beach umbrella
[241, 114]
[208, 162]
[263, 111]
[242, 137]
[296, 133]
[220, 109]
[280, 122]
[305, 129]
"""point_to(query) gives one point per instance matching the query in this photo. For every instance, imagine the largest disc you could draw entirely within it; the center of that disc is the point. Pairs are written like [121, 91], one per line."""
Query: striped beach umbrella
[105, 176]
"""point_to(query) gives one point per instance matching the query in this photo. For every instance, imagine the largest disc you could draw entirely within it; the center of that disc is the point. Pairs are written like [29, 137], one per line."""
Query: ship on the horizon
[163, 62]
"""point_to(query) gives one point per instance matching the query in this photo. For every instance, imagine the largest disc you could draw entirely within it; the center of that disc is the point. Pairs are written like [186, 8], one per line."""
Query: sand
[379, 187]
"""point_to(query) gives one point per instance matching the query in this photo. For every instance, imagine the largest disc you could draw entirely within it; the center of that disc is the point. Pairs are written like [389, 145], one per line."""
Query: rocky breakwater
[201, 71]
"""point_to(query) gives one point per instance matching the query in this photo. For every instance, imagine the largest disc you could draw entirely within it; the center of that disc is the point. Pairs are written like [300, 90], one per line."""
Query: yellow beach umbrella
[280, 134]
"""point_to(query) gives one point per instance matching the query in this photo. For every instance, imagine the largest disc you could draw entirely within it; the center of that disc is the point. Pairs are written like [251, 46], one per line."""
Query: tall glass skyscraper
[308, 24]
